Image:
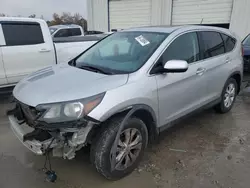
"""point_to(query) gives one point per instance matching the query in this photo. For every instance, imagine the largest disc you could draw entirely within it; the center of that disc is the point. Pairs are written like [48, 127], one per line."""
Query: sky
[42, 7]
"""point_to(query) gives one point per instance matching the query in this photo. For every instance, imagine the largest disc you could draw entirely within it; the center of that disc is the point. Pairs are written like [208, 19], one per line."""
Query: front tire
[132, 143]
[228, 96]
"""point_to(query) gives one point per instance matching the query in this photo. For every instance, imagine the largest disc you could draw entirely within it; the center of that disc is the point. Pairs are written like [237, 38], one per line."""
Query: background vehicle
[246, 51]
[93, 32]
[120, 93]
[26, 46]
[58, 31]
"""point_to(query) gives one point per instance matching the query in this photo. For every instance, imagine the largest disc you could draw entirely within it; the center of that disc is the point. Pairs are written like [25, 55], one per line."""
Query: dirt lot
[206, 150]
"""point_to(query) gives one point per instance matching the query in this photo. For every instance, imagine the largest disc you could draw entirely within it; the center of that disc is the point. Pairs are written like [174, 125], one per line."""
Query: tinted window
[63, 33]
[75, 31]
[22, 34]
[213, 44]
[229, 42]
[184, 47]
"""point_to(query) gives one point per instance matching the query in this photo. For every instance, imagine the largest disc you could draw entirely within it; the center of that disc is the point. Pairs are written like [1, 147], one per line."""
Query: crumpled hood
[64, 83]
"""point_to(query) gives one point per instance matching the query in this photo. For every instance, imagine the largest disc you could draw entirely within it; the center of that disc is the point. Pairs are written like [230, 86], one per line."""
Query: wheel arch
[143, 112]
[238, 78]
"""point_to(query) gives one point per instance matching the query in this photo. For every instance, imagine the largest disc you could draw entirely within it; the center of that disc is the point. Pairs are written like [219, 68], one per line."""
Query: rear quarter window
[213, 45]
[229, 42]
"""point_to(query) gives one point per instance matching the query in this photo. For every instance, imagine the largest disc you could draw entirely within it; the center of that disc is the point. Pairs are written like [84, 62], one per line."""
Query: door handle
[44, 50]
[227, 60]
[200, 71]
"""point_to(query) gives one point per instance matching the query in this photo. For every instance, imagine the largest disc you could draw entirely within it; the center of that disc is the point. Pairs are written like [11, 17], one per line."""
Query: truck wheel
[228, 96]
[132, 143]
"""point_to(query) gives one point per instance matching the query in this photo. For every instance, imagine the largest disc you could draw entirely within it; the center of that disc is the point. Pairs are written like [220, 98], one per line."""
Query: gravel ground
[206, 150]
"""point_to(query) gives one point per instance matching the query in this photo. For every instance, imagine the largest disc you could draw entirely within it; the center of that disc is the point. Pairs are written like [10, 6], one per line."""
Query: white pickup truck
[58, 31]
[26, 45]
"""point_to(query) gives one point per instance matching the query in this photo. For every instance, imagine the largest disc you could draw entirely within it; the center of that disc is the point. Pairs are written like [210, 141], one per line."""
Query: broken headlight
[68, 111]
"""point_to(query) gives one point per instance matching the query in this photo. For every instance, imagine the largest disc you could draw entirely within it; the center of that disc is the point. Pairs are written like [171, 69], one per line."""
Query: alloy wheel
[229, 95]
[128, 148]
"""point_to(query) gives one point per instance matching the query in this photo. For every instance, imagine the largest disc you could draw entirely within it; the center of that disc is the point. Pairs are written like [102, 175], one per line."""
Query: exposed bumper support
[65, 148]
[35, 146]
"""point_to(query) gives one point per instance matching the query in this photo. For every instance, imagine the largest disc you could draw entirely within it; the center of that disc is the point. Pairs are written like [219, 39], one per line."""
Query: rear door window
[229, 42]
[16, 34]
[213, 44]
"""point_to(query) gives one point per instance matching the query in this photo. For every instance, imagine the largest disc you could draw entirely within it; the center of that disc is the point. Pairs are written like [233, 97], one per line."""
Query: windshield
[52, 30]
[246, 41]
[122, 52]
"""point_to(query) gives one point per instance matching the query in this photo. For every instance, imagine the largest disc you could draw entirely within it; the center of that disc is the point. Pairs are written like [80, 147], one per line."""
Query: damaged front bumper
[63, 142]
[21, 130]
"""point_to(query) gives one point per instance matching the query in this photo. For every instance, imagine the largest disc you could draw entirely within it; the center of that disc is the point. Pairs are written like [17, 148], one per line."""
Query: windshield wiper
[95, 69]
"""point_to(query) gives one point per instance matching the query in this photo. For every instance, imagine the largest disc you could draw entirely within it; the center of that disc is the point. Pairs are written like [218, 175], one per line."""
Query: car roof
[21, 19]
[170, 29]
[65, 26]
[162, 29]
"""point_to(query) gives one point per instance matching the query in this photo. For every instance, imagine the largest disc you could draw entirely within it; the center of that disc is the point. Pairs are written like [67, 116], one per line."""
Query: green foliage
[32, 16]
[67, 18]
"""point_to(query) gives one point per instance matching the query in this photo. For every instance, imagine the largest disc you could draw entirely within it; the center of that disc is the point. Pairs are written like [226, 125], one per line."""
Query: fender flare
[241, 78]
[234, 73]
[139, 107]
[154, 128]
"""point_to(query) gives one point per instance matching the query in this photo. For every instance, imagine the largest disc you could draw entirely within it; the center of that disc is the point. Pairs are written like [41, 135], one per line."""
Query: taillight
[242, 50]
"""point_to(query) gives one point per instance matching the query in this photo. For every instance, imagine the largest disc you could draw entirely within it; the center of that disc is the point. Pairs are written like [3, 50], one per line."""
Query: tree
[56, 19]
[32, 16]
[67, 18]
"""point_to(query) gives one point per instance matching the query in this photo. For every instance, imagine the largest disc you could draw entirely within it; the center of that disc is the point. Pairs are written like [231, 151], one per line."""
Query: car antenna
[201, 21]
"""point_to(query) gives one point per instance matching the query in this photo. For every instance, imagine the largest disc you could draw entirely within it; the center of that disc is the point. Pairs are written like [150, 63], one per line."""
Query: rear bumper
[35, 146]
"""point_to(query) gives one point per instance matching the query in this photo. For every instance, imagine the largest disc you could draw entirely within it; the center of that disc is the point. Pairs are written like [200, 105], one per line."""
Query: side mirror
[176, 66]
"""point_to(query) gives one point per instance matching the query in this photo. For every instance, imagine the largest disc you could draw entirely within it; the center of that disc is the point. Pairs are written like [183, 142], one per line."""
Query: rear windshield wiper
[95, 69]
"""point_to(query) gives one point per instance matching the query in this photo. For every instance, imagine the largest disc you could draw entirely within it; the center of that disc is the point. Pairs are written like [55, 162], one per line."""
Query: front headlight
[69, 111]
[74, 109]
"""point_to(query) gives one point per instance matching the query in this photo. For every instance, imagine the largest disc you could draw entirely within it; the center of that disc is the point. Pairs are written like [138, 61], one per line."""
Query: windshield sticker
[142, 40]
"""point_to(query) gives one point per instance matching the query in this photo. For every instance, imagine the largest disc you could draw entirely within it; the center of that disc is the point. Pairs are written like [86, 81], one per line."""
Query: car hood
[64, 83]
[246, 50]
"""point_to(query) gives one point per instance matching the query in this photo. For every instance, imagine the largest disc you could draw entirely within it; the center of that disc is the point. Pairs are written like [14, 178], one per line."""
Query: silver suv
[118, 95]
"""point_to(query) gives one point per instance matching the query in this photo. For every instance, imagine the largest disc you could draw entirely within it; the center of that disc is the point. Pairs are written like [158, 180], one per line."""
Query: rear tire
[101, 148]
[228, 96]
